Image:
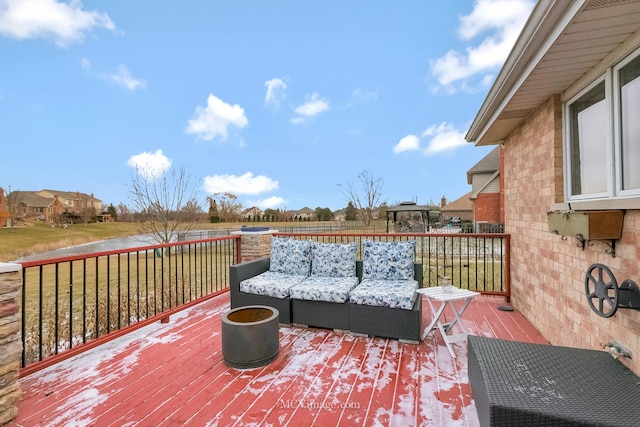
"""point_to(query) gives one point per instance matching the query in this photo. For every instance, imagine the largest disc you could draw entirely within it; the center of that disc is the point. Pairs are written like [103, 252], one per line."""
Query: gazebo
[410, 217]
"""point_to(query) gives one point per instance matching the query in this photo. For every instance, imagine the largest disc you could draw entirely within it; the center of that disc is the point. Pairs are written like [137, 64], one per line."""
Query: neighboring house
[564, 108]
[251, 213]
[75, 202]
[486, 190]
[340, 215]
[461, 208]
[304, 214]
[48, 205]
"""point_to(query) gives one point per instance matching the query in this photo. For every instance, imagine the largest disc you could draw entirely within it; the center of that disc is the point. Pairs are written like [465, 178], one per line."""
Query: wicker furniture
[310, 313]
[523, 384]
[246, 270]
[364, 319]
[388, 322]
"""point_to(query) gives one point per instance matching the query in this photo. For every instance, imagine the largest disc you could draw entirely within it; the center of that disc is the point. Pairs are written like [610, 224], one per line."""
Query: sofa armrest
[418, 274]
[246, 270]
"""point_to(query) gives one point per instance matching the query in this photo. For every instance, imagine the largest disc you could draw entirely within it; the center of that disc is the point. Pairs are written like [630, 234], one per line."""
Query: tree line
[168, 204]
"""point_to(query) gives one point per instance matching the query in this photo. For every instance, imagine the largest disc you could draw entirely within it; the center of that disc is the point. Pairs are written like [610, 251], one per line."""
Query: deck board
[173, 374]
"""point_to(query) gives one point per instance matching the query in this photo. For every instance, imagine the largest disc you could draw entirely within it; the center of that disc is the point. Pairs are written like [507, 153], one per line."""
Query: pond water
[146, 240]
[119, 243]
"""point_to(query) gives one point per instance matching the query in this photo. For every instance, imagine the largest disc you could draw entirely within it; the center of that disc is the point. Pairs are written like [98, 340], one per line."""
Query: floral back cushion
[333, 259]
[290, 256]
[388, 260]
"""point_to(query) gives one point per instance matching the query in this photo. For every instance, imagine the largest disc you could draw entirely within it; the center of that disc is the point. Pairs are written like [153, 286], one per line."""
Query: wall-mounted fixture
[586, 226]
[605, 296]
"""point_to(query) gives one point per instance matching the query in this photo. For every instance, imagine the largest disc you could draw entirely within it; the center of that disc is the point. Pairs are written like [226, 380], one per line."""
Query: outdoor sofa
[324, 285]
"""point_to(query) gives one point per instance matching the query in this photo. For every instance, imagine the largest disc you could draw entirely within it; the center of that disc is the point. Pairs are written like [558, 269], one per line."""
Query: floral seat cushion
[385, 293]
[290, 256]
[333, 259]
[320, 288]
[388, 260]
[271, 284]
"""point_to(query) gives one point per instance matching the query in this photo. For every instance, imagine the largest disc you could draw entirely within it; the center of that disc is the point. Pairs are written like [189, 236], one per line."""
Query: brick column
[255, 244]
[10, 340]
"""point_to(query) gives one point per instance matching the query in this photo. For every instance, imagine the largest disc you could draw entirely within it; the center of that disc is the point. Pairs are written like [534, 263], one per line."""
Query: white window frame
[614, 197]
[617, 129]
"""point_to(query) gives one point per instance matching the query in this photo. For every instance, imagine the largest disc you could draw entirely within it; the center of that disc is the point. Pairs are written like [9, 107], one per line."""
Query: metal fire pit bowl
[250, 336]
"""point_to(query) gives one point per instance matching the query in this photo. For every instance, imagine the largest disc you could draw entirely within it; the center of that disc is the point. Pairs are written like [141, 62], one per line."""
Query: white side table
[437, 294]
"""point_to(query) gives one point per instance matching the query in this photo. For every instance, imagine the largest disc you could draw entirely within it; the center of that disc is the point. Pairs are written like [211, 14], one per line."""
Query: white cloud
[123, 77]
[64, 23]
[275, 92]
[243, 184]
[475, 68]
[86, 64]
[214, 119]
[408, 143]
[443, 138]
[268, 203]
[359, 96]
[312, 107]
[150, 166]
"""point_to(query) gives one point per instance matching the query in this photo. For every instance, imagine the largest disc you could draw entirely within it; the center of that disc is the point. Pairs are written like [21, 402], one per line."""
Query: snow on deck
[174, 374]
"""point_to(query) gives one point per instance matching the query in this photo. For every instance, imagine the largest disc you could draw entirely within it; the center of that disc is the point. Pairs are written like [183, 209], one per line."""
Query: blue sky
[279, 103]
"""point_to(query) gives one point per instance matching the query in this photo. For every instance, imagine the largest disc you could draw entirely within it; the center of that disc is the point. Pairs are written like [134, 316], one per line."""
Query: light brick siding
[547, 272]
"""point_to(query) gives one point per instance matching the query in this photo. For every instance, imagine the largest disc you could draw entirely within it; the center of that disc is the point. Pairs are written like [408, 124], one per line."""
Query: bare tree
[12, 206]
[86, 209]
[366, 197]
[228, 207]
[124, 214]
[167, 205]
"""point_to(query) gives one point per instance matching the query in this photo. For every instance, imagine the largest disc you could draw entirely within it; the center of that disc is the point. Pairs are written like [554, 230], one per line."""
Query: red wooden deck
[173, 374]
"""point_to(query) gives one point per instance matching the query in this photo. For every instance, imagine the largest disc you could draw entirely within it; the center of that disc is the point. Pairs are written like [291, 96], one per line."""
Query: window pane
[630, 125]
[588, 142]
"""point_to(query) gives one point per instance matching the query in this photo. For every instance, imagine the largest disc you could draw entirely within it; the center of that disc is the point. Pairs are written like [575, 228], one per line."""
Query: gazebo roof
[410, 206]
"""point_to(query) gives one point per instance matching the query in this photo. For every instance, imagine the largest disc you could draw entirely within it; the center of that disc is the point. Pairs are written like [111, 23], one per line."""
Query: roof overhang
[561, 43]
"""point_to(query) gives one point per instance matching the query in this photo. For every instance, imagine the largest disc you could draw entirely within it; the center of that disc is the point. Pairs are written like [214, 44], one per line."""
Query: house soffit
[561, 42]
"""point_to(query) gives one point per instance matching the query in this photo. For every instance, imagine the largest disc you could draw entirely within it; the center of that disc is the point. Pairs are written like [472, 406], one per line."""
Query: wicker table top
[553, 385]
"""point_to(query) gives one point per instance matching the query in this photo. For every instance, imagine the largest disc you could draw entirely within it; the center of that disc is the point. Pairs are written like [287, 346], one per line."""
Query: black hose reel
[605, 296]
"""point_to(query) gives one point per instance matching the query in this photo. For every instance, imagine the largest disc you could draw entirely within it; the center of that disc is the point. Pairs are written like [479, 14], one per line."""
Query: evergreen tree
[214, 216]
[111, 210]
[351, 213]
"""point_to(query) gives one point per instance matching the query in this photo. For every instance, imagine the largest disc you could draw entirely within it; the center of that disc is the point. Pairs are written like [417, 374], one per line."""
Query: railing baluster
[84, 300]
[70, 304]
[56, 322]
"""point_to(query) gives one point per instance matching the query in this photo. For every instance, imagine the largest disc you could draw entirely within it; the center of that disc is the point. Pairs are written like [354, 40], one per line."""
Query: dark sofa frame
[387, 322]
[246, 270]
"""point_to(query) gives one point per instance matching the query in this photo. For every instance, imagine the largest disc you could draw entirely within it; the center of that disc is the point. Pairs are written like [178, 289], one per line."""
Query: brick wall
[10, 340]
[547, 272]
[487, 208]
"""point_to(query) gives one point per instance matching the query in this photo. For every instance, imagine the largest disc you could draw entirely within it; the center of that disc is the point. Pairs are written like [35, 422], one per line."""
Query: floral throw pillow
[388, 260]
[290, 256]
[333, 259]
